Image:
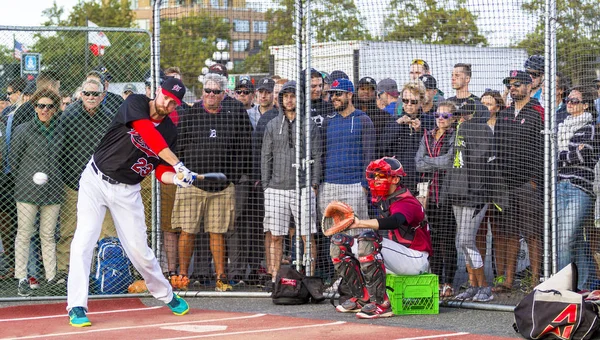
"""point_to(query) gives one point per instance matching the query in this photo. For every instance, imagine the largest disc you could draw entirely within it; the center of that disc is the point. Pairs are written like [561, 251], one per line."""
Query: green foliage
[428, 22]
[337, 20]
[332, 20]
[280, 32]
[66, 53]
[188, 41]
[577, 36]
[6, 55]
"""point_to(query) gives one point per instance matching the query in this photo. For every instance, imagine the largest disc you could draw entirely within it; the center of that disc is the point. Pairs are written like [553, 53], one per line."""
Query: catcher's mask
[380, 174]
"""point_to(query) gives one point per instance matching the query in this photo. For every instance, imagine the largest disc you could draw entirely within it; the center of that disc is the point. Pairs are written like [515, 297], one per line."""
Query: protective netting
[63, 92]
[455, 90]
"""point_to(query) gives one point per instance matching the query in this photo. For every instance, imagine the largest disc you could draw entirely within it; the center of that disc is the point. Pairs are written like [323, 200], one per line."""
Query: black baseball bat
[209, 176]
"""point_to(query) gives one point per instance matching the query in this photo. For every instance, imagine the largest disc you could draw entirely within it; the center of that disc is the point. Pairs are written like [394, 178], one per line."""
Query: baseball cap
[519, 75]
[337, 74]
[129, 87]
[245, 82]
[267, 84]
[429, 81]
[343, 85]
[173, 88]
[388, 85]
[219, 69]
[367, 81]
[104, 71]
[597, 80]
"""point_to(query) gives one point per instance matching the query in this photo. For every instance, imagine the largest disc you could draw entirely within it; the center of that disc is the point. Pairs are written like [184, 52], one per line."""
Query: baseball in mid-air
[40, 178]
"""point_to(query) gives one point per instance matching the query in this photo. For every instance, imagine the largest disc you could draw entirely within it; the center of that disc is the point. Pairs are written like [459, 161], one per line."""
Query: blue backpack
[113, 273]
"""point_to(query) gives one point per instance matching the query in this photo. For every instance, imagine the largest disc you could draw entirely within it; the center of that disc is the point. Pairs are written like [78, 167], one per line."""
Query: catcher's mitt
[338, 216]
[138, 286]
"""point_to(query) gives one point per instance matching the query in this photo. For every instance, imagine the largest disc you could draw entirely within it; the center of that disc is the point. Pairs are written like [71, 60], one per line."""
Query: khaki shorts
[215, 209]
[167, 200]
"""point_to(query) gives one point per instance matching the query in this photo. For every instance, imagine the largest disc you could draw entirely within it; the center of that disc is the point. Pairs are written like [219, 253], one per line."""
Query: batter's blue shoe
[178, 305]
[77, 317]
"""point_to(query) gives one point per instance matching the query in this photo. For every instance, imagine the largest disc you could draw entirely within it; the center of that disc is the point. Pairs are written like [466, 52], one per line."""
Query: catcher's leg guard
[372, 267]
[347, 266]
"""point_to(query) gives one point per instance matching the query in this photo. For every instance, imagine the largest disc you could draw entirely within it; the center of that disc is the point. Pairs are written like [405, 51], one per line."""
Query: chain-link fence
[490, 107]
[63, 89]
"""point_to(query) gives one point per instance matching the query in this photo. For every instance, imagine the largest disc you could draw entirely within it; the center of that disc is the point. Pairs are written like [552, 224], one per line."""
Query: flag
[97, 40]
[19, 49]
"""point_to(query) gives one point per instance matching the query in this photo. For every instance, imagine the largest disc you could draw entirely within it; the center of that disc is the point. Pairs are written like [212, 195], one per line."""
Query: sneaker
[484, 295]
[23, 289]
[178, 305]
[77, 317]
[374, 311]
[33, 283]
[180, 282]
[268, 287]
[352, 305]
[222, 285]
[467, 294]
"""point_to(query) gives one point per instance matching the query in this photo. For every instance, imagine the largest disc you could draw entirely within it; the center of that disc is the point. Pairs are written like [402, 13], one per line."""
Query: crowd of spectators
[473, 160]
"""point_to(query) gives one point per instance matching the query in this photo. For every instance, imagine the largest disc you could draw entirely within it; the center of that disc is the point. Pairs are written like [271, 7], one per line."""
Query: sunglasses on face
[66, 103]
[411, 101]
[8, 93]
[91, 93]
[573, 101]
[244, 92]
[515, 85]
[535, 74]
[337, 94]
[209, 91]
[443, 115]
[43, 106]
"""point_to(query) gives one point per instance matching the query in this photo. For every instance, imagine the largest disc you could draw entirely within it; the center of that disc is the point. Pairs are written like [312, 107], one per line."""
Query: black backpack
[294, 288]
[555, 311]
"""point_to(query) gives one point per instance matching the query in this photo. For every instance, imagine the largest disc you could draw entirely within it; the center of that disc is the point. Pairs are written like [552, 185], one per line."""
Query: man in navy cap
[349, 146]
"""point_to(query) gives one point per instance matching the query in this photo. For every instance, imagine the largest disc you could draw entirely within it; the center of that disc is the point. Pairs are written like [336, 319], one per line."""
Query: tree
[424, 21]
[188, 41]
[281, 31]
[66, 53]
[331, 20]
[338, 20]
[577, 36]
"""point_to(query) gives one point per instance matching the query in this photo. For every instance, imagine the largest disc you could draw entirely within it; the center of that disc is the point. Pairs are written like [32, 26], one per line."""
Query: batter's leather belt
[103, 176]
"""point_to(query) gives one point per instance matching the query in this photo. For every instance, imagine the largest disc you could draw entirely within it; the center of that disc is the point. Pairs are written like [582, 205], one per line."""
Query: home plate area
[131, 319]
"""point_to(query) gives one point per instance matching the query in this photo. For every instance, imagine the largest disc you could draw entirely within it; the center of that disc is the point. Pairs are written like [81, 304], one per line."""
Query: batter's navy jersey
[122, 154]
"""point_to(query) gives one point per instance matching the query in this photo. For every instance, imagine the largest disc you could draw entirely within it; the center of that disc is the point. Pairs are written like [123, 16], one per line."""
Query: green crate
[414, 294]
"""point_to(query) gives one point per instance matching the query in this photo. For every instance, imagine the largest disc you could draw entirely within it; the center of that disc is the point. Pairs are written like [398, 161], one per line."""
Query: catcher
[405, 250]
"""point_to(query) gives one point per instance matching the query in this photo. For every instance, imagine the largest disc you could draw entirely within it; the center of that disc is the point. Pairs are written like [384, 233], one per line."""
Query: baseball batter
[404, 251]
[138, 141]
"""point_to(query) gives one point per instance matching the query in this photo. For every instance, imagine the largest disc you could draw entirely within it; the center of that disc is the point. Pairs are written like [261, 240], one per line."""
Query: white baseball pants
[127, 210]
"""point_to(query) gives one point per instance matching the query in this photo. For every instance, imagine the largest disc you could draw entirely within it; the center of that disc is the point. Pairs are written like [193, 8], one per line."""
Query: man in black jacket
[520, 147]
[214, 136]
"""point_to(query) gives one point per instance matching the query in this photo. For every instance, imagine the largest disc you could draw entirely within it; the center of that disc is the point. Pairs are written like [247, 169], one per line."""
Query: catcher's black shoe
[374, 310]
[352, 305]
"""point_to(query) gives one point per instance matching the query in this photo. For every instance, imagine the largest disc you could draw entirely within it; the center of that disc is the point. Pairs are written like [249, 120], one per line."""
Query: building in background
[249, 27]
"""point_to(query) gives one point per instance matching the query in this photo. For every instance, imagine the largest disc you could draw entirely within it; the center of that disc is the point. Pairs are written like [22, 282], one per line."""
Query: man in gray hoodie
[278, 178]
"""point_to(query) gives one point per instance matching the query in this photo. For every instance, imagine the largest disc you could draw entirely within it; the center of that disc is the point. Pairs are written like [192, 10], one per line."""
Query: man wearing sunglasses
[244, 93]
[83, 125]
[520, 155]
[384, 124]
[213, 137]
[597, 101]
[534, 66]
[349, 146]
[112, 101]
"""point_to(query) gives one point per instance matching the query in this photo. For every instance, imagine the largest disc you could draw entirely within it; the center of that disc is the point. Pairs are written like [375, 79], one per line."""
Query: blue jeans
[572, 207]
